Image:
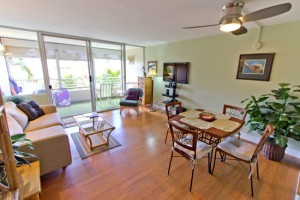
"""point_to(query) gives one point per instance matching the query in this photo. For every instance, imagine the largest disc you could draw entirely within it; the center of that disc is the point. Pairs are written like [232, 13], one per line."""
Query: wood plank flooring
[138, 170]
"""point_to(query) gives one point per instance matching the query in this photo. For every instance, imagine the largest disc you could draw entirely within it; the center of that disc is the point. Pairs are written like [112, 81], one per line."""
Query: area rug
[85, 151]
[69, 122]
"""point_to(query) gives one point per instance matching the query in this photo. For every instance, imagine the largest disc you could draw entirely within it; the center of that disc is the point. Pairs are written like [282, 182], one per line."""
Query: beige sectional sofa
[49, 139]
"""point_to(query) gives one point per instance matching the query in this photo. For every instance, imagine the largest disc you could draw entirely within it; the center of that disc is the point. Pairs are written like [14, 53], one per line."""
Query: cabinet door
[146, 84]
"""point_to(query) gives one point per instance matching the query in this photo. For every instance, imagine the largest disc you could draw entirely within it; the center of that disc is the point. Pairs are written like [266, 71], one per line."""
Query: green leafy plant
[16, 99]
[283, 113]
[17, 141]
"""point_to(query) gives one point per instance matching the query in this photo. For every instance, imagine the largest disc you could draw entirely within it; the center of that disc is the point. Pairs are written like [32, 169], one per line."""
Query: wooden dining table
[211, 135]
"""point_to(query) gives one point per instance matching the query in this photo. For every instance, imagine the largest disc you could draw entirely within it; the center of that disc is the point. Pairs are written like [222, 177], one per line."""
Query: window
[24, 68]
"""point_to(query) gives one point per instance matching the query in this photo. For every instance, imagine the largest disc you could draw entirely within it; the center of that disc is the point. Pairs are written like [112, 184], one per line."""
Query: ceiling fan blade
[266, 12]
[240, 31]
[200, 26]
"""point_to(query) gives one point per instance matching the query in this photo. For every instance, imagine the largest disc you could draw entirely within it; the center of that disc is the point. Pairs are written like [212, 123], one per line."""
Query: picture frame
[152, 67]
[255, 66]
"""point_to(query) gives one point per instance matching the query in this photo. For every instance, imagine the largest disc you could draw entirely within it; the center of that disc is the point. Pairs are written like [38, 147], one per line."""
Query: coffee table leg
[107, 138]
[90, 143]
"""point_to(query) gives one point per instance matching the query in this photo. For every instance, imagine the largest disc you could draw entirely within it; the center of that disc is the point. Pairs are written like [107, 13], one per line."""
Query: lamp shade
[152, 72]
[229, 25]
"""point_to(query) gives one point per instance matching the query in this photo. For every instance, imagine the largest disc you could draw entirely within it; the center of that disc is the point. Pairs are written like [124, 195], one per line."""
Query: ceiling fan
[232, 20]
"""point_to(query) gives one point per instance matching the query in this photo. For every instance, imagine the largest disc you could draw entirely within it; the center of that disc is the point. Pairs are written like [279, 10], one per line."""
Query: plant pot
[272, 151]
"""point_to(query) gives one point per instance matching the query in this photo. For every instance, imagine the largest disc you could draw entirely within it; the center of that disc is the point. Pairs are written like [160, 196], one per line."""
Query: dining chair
[235, 112]
[185, 142]
[105, 91]
[243, 151]
[172, 109]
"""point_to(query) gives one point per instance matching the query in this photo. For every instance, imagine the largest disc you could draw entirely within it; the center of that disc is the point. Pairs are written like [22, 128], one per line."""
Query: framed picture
[152, 67]
[255, 66]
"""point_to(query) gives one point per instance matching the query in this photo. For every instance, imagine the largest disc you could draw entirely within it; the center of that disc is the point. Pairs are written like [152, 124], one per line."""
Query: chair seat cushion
[237, 148]
[128, 103]
[202, 149]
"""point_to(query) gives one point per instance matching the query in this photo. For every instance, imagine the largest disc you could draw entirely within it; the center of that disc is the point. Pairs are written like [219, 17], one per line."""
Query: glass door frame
[91, 67]
[41, 36]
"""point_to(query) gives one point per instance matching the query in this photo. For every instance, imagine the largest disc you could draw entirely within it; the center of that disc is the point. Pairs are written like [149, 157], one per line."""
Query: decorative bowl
[206, 116]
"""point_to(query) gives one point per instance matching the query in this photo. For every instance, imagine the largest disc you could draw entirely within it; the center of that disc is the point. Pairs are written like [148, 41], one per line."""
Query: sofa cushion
[16, 113]
[51, 146]
[44, 121]
[13, 126]
[45, 134]
[28, 110]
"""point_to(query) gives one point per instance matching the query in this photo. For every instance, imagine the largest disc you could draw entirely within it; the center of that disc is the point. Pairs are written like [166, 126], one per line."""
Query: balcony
[79, 91]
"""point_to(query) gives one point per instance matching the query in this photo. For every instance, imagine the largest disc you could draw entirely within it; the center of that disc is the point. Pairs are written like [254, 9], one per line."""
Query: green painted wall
[214, 61]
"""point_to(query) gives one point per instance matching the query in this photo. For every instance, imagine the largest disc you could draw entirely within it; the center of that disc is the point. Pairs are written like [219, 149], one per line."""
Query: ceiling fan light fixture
[228, 25]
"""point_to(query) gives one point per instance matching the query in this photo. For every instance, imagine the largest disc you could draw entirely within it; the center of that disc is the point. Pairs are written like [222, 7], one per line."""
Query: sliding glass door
[69, 75]
[107, 62]
[78, 75]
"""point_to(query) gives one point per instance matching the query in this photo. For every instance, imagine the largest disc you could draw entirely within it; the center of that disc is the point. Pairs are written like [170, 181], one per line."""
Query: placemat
[191, 113]
[196, 122]
[225, 125]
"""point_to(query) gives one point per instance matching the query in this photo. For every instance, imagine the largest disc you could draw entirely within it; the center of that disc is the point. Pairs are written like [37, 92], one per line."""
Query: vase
[272, 151]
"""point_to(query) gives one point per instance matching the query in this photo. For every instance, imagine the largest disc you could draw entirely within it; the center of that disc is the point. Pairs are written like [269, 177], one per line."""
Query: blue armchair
[133, 99]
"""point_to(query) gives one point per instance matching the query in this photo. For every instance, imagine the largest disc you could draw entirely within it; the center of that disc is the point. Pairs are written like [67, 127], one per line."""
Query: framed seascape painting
[255, 66]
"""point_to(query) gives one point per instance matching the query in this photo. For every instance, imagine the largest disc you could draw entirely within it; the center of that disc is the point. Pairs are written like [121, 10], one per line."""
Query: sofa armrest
[48, 108]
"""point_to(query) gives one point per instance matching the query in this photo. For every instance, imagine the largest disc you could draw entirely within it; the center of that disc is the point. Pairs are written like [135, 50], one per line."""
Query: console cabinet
[146, 84]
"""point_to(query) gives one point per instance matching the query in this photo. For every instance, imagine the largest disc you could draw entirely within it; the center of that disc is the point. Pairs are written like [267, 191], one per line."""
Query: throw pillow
[13, 126]
[28, 110]
[133, 95]
[36, 107]
[16, 113]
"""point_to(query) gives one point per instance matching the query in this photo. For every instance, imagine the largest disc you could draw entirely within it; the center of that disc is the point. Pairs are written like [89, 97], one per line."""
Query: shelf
[167, 86]
[171, 96]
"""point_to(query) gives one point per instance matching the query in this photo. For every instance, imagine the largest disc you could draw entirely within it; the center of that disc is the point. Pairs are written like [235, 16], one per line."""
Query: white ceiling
[134, 22]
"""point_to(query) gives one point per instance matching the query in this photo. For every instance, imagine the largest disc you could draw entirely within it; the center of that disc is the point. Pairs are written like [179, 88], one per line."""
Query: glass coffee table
[94, 129]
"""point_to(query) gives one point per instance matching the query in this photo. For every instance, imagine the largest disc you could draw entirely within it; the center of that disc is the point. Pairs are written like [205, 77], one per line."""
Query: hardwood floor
[138, 170]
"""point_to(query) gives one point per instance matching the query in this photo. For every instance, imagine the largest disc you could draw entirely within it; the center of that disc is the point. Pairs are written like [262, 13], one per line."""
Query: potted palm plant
[281, 108]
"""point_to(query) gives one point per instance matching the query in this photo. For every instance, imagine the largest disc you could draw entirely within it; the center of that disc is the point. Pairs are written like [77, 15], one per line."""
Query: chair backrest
[141, 92]
[106, 90]
[173, 108]
[269, 130]
[236, 112]
[180, 139]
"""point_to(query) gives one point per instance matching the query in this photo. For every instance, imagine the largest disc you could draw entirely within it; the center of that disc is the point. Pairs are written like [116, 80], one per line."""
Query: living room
[213, 82]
